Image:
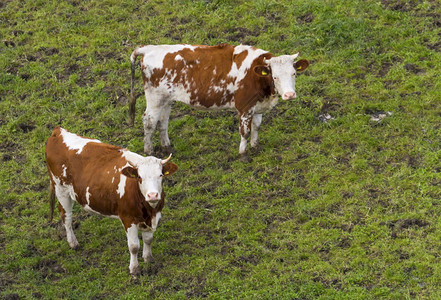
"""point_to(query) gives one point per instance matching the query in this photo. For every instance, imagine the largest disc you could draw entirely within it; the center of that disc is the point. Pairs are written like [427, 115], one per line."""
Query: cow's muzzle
[289, 96]
[153, 199]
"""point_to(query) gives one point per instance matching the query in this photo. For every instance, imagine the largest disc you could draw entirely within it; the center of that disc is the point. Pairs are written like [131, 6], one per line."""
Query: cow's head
[283, 70]
[149, 171]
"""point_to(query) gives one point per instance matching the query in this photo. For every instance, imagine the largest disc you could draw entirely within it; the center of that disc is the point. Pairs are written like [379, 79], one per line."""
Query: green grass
[347, 209]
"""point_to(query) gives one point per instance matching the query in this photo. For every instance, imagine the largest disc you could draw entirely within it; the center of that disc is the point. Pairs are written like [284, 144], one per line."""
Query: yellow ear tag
[264, 73]
[166, 173]
[299, 68]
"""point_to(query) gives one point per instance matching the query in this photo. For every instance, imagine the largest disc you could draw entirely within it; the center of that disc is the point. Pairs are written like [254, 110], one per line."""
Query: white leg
[243, 145]
[244, 129]
[154, 106]
[66, 203]
[150, 120]
[133, 243]
[163, 126]
[257, 120]
[147, 238]
[71, 238]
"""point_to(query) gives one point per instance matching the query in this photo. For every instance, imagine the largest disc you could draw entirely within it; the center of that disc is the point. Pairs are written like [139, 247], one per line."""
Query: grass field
[342, 201]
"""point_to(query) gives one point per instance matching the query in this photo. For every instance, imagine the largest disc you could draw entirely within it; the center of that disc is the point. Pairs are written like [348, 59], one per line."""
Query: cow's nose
[289, 95]
[153, 196]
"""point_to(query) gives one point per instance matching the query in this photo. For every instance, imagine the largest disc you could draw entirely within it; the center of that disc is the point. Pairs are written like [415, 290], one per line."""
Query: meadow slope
[342, 200]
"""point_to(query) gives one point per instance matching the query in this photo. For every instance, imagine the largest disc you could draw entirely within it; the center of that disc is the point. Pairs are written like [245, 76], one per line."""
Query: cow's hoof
[76, 247]
[135, 273]
[245, 158]
[255, 149]
[134, 278]
[148, 259]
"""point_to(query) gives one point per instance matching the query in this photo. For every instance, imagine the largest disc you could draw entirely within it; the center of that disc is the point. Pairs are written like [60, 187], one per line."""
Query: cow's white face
[150, 171]
[283, 70]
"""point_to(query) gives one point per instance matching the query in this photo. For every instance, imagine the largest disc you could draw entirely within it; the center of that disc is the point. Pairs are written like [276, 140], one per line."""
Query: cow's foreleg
[147, 238]
[245, 121]
[163, 129]
[133, 242]
[257, 120]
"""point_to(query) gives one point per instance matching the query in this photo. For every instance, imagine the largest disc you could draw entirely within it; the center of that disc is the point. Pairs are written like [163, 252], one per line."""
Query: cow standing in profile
[241, 78]
[109, 181]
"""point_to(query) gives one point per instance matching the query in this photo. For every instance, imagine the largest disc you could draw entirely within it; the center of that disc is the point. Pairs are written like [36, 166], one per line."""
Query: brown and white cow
[109, 181]
[243, 78]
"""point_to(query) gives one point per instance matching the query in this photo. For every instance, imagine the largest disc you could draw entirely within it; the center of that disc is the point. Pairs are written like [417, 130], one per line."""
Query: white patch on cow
[179, 57]
[91, 210]
[121, 186]
[88, 196]
[180, 93]
[113, 179]
[132, 157]
[126, 165]
[75, 142]
[154, 55]
[267, 104]
[231, 87]
[155, 220]
[62, 189]
[64, 171]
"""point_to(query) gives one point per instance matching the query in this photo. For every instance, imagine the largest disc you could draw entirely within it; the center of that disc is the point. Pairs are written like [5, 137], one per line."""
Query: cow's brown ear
[301, 65]
[262, 71]
[169, 168]
[130, 172]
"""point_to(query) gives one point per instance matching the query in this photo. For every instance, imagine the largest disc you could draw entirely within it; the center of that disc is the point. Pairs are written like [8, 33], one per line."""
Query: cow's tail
[52, 201]
[132, 103]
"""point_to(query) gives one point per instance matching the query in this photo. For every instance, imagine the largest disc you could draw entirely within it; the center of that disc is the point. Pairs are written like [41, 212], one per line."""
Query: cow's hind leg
[163, 129]
[147, 238]
[150, 120]
[133, 243]
[65, 206]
